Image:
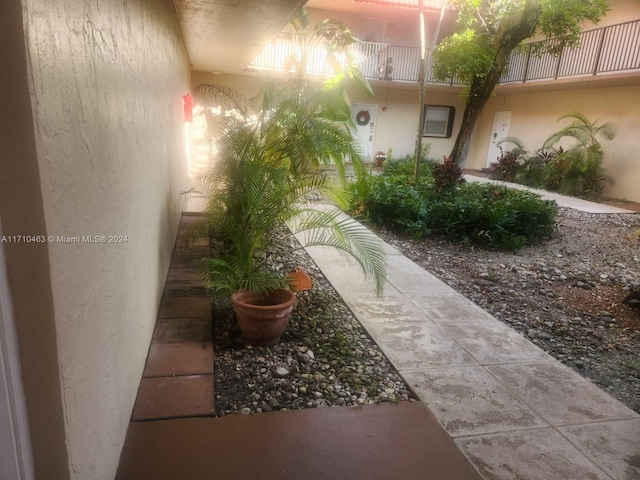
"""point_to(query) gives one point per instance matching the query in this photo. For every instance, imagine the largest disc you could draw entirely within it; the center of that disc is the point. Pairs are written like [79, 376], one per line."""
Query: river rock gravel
[325, 357]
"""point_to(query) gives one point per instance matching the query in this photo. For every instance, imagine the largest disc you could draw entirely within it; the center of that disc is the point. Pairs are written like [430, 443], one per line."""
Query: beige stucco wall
[106, 81]
[27, 264]
[397, 124]
[620, 11]
[534, 113]
[245, 84]
[534, 118]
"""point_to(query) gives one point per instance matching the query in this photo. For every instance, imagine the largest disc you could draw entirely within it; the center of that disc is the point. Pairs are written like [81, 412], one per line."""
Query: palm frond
[321, 228]
[214, 95]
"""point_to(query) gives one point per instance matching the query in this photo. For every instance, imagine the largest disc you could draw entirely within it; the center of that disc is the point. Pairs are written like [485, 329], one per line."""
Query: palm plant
[249, 197]
[268, 159]
[302, 120]
[585, 171]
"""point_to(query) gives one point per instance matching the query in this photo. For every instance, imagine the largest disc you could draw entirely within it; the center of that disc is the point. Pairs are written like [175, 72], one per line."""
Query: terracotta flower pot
[263, 319]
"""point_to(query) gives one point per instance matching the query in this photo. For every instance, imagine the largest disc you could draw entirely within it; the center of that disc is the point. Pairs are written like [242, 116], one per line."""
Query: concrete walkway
[561, 200]
[513, 410]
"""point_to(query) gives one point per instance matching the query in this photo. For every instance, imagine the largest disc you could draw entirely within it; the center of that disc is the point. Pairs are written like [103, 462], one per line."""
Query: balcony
[605, 50]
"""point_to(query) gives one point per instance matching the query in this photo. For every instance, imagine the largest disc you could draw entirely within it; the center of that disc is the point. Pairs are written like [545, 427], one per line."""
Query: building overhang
[226, 35]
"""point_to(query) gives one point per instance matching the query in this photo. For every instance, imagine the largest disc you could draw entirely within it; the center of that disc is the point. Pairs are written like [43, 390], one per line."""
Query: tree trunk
[482, 87]
[463, 141]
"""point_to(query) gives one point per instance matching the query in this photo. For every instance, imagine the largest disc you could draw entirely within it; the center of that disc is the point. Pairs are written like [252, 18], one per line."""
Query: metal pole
[416, 168]
[421, 78]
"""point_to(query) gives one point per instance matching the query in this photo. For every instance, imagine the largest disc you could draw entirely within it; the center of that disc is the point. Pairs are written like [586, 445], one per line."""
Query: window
[438, 121]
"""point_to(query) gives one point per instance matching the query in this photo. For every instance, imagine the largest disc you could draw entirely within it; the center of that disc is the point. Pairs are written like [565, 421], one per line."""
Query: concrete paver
[542, 454]
[170, 397]
[375, 442]
[511, 410]
[470, 401]
[184, 358]
[388, 441]
[606, 443]
[444, 305]
[419, 345]
[560, 395]
[495, 343]
[402, 272]
[393, 309]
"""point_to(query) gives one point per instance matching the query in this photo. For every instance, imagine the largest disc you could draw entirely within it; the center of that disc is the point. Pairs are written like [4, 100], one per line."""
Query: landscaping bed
[325, 357]
[564, 294]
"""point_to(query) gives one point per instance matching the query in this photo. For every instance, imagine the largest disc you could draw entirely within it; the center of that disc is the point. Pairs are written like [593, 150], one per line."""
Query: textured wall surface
[107, 80]
[22, 213]
[534, 118]
[397, 127]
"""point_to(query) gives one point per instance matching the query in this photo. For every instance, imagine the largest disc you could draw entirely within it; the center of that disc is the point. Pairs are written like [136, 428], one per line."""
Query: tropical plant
[583, 170]
[249, 198]
[562, 171]
[519, 150]
[447, 175]
[303, 120]
[575, 170]
[360, 190]
[515, 165]
[269, 152]
[506, 168]
[406, 165]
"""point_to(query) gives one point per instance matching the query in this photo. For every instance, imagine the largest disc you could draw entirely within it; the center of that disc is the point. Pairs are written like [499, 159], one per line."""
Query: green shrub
[494, 216]
[406, 166]
[398, 202]
[484, 214]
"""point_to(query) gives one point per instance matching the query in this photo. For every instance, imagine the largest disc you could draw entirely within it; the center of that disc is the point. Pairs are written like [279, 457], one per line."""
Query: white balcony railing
[615, 48]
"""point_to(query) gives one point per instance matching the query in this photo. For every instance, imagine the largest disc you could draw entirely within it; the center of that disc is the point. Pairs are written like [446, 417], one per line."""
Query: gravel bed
[325, 357]
[566, 295]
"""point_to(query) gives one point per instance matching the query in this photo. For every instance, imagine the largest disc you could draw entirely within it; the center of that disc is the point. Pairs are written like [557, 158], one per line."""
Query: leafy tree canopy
[489, 31]
[487, 26]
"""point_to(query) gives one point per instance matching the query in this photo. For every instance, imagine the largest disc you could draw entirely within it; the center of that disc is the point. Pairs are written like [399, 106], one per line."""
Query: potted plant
[268, 159]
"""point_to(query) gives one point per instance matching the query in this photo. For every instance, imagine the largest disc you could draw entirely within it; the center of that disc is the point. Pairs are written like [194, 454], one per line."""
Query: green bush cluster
[576, 170]
[405, 165]
[489, 215]
[494, 216]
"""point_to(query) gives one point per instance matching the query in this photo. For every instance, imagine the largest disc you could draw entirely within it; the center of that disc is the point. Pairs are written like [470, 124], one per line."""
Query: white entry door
[364, 119]
[500, 130]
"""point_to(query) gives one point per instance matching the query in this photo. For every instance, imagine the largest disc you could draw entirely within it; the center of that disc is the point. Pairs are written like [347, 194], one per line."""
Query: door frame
[499, 130]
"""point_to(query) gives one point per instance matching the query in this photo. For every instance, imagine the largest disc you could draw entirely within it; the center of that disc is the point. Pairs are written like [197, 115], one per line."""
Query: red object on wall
[187, 101]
